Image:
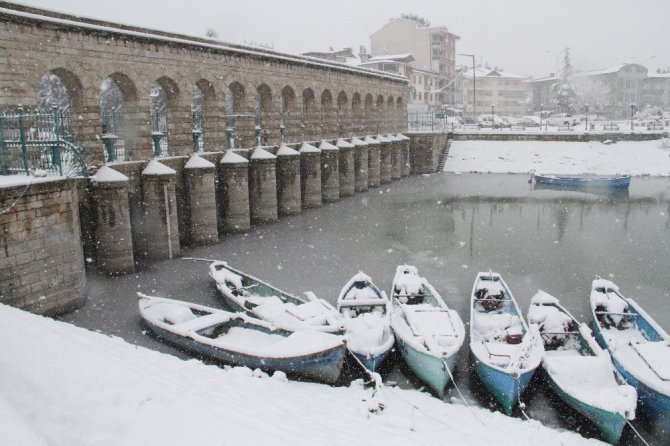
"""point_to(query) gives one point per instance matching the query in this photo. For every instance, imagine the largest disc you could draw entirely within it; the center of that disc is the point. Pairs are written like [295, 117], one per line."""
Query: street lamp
[493, 121]
[474, 86]
[632, 114]
[586, 113]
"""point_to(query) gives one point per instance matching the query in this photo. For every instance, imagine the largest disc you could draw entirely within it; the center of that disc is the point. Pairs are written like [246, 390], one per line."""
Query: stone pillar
[113, 235]
[263, 187]
[330, 172]
[396, 157]
[360, 165]
[385, 166]
[160, 231]
[373, 161]
[288, 181]
[404, 155]
[346, 167]
[233, 199]
[200, 176]
[310, 176]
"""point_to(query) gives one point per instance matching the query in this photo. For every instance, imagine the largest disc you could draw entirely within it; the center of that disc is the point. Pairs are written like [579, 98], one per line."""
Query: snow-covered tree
[52, 91]
[594, 92]
[563, 91]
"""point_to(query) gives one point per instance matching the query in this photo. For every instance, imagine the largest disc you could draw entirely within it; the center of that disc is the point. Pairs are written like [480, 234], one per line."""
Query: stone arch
[263, 110]
[400, 113]
[60, 87]
[118, 114]
[235, 104]
[309, 116]
[206, 115]
[379, 114]
[342, 115]
[388, 121]
[328, 126]
[369, 115]
[356, 113]
[288, 113]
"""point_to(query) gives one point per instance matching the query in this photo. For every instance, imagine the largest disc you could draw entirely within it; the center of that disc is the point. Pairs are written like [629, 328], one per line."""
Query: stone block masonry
[41, 257]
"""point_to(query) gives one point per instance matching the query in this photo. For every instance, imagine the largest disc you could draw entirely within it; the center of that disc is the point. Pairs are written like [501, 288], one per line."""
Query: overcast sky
[521, 36]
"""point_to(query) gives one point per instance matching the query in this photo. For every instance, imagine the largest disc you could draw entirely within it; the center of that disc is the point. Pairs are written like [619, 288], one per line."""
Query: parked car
[486, 121]
[564, 119]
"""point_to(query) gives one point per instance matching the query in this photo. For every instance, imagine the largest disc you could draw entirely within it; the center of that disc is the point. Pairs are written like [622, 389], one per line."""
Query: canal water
[450, 227]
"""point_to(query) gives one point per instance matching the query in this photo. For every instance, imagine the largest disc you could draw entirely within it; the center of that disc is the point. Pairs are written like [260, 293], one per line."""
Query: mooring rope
[637, 433]
[461, 394]
[522, 405]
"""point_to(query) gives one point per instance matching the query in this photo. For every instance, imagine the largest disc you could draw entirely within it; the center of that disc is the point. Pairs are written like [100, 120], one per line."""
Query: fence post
[3, 146]
[22, 141]
[55, 149]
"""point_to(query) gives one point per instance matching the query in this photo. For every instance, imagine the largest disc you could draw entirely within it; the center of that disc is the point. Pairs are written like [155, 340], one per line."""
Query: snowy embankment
[562, 158]
[63, 385]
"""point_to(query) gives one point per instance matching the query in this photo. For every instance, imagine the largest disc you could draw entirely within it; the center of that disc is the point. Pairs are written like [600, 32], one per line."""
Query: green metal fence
[429, 121]
[39, 142]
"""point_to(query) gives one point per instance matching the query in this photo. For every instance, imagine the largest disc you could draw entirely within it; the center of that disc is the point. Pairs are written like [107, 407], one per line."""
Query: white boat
[429, 334]
[366, 316]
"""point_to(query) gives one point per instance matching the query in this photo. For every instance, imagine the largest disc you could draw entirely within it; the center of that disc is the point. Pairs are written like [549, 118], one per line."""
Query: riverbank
[562, 158]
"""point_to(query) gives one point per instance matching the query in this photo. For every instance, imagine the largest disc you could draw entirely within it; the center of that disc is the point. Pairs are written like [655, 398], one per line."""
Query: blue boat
[505, 352]
[366, 316]
[579, 371]
[428, 333]
[583, 181]
[235, 338]
[639, 347]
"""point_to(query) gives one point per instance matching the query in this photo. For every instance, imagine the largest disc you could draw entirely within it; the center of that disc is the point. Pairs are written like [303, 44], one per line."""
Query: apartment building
[433, 49]
[508, 94]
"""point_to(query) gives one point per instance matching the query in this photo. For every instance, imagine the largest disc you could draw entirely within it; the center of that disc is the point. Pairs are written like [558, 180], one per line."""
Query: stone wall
[567, 136]
[41, 256]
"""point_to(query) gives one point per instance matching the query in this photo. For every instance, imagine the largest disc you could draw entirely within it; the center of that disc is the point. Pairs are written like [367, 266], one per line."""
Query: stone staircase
[443, 157]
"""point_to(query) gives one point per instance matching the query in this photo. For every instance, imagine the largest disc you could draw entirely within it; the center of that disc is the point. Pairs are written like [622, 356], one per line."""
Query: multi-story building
[657, 90]
[432, 47]
[508, 94]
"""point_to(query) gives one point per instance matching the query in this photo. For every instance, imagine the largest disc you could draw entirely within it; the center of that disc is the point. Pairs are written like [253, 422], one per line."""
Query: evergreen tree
[563, 90]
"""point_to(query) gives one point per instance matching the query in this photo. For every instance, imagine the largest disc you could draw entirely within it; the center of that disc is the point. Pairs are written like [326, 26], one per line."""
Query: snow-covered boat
[584, 181]
[579, 371]
[640, 348]
[366, 316]
[243, 292]
[428, 333]
[505, 352]
[236, 338]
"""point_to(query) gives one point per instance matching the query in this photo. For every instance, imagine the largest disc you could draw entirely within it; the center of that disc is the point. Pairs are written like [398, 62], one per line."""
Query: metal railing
[39, 142]
[429, 121]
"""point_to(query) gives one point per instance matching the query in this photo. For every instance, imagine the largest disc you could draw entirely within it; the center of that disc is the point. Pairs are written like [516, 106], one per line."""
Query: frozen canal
[450, 227]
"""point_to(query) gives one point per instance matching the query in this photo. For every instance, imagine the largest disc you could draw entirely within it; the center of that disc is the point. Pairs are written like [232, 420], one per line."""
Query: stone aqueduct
[328, 99]
[144, 208]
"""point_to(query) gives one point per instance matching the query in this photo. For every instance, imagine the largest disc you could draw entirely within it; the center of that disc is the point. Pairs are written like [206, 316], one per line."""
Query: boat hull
[428, 368]
[619, 182]
[324, 366]
[371, 362]
[652, 403]
[610, 424]
[505, 387]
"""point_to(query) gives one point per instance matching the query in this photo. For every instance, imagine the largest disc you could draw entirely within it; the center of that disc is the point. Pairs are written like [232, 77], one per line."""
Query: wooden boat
[579, 371]
[428, 333]
[640, 348]
[584, 181]
[366, 316]
[236, 338]
[505, 352]
[243, 292]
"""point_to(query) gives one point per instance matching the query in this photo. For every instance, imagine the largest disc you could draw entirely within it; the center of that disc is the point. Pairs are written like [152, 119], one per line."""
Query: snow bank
[561, 158]
[73, 386]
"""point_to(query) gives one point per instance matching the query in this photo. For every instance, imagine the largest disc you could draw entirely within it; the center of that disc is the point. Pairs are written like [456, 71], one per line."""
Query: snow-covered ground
[64, 385]
[563, 158]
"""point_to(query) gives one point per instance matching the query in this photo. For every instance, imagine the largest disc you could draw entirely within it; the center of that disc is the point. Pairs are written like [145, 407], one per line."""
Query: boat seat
[655, 355]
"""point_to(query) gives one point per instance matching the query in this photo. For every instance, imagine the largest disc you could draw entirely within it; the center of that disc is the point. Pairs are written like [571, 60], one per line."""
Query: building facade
[432, 47]
[507, 94]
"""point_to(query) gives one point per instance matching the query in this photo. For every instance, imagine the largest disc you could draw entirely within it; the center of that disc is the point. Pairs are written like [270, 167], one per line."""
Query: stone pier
[347, 174]
[330, 172]
[385, 163]
[360, 165]
[233, 194]
[288, 181]
[263, 187]
[159, 238]
[404, 155]
[373, 161]
[200, 185]
[396, 160]
[112, 230]
[310, 176]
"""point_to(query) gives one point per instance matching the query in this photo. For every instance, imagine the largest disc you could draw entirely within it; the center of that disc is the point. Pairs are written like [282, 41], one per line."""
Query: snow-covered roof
[262, 154]
[198, 162]
[487, 72]
[108, 175]
[181, 39]
[156, 168]
[406, 57]
[233, 158]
